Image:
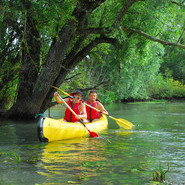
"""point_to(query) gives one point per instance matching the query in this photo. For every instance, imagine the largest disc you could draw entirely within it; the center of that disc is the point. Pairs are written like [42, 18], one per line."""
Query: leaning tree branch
[66, 79]
[82, 53]
[75, 48]
[153, 38]
[89, 31]
[69, 62]
[179, 4]
[90, 5]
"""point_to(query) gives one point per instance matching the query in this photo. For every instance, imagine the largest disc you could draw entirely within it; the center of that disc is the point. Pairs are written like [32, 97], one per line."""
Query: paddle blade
[93, 134]
[124, 123]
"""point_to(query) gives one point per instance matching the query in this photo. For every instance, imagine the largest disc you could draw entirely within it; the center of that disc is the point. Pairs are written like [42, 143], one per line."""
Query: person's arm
[83, 112]
[58, 99]
[101, 108]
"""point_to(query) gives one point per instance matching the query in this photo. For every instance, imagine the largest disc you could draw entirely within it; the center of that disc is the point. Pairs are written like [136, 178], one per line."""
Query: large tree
[47, 39]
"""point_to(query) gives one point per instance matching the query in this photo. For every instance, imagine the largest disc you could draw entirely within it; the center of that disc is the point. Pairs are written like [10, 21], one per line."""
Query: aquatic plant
[160, 174]
[15, 156]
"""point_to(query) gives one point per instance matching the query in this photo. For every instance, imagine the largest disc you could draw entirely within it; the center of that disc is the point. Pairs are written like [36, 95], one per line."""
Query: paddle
[121, 122]
[92, 134]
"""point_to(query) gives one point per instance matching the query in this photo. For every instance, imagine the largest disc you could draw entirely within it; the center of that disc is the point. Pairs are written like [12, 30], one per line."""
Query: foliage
[13, 20]
[135, 68]
[136, 76]
[132, 70]
[83, 45]
[8, 79]
[89, 72]
[174, 64]
[166, 88]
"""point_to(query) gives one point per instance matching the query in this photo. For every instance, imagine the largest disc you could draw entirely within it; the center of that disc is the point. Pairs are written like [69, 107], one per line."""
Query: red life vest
[91, 113]
[69, 116]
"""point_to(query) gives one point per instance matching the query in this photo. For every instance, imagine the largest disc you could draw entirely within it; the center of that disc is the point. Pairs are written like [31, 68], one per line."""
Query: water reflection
[124, 132]
[107, 159]
[76, 157]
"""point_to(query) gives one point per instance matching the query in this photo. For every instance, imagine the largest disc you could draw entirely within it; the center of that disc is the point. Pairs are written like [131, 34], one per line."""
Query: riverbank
[151, 100]
[4, 115]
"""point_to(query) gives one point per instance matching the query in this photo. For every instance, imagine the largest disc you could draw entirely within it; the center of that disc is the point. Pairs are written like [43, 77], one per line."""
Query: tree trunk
[35, 93]
[24, 107]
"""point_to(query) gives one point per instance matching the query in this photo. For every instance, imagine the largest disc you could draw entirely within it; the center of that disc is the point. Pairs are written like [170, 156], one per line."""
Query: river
[117, 157]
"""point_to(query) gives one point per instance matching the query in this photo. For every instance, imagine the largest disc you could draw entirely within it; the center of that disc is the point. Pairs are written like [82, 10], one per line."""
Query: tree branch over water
[95, 86]
[72, 76]
[154, 39]
[181, 3]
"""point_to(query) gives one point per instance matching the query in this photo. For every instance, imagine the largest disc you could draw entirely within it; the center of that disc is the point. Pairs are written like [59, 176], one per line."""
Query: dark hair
[93, 91]
[78, 92]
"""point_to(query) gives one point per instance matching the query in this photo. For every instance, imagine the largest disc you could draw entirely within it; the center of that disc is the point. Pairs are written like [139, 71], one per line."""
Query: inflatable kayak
[50, 129]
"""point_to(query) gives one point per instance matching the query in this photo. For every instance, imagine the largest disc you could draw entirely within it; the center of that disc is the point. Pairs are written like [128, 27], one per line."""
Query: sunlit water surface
[116, 157]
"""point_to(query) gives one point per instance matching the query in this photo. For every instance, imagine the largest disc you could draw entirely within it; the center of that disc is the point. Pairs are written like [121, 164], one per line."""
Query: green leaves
[125, 70]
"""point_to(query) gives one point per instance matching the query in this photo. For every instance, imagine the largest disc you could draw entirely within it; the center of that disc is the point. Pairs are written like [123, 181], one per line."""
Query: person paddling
[93, 115]
[76, 105]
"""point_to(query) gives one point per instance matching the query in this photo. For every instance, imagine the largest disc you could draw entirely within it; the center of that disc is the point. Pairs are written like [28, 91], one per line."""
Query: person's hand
[79, 116]
[56, 94]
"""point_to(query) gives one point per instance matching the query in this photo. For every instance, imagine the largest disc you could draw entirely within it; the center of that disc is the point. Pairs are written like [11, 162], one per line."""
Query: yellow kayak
[50, 129]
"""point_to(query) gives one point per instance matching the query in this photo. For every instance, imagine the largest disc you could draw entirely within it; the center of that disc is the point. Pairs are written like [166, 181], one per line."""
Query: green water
[116, 157]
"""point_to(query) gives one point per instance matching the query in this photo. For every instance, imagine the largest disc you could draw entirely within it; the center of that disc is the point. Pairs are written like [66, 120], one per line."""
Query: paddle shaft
[73, 112]
[117, 120]
[60, 90]
[100, 111]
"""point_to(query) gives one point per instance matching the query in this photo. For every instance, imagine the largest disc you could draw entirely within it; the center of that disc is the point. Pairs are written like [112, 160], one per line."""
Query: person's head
[77, 96]
[93, 95]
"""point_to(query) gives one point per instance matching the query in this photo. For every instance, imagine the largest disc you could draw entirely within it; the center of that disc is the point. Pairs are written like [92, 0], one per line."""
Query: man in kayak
[93, 115]
[76, 105]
